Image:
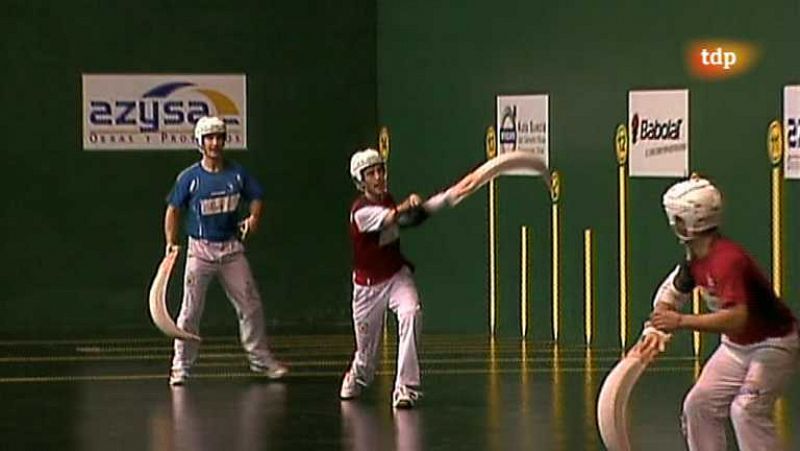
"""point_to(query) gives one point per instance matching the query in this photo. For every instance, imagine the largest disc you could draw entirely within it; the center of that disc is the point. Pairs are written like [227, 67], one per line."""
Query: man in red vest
[382, 279]
[758, 351]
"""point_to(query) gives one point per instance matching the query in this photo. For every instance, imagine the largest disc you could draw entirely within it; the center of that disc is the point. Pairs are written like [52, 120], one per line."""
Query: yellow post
[588, 307]
[775, 151]
[555, 194]
[696, 336]
[621, 146]
[383, 143]
[523, 301]
[491, 152]
[383, 149]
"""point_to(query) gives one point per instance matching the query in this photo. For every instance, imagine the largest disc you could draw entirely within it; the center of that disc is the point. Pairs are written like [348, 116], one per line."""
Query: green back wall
[82, 231]
[440, 67]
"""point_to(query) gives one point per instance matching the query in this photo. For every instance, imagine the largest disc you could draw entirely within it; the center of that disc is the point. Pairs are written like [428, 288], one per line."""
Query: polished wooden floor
[480, 394]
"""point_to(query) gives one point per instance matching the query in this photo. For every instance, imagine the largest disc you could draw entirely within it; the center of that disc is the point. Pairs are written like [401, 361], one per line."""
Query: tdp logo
[156, 109]
[720, 59]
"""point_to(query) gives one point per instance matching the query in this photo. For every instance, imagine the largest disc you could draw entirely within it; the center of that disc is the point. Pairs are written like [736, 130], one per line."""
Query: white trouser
[204, 261]
[743, 382]
[399, 294]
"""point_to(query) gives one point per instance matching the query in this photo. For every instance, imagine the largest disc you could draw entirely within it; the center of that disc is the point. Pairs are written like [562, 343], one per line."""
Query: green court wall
[83, 230]
[440, 67]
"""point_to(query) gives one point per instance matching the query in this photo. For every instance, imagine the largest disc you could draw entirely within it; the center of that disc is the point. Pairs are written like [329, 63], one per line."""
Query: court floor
[479, 394]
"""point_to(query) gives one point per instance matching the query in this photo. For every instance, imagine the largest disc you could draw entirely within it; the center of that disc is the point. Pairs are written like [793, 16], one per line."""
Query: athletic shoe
[351, 388]
[274, 371]
[178, 377]
[405, 397]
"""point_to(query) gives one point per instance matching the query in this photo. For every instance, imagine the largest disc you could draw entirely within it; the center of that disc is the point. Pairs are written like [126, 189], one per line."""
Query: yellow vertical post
[589, 399]
[494, 399]
[588, 303]
[383, 143]
[559, 430]
[782, 423]
[696, 336]
[555, 195]
[775, 151]
[524, 376]
[523, 301]
[491, 152]
[383, 149]
[621, 146]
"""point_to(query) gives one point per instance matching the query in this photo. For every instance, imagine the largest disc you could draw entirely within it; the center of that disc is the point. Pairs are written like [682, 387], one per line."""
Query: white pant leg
[369, 306]
[240, 287]
[196, 277]
[771, 364]
[404, 302]
[706, 407]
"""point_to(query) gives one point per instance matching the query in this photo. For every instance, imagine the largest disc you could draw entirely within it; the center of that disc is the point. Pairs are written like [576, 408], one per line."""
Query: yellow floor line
[298, 375]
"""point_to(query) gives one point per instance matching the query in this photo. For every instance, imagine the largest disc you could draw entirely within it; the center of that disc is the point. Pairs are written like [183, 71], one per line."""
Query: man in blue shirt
[210, 192]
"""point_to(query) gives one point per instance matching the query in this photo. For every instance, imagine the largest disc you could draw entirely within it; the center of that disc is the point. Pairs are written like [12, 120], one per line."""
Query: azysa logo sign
[159, 111]
[155, 109]
[717, 59]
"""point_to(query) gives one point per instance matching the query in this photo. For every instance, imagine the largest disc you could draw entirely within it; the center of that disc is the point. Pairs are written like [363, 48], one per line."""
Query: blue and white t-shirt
[212, 199]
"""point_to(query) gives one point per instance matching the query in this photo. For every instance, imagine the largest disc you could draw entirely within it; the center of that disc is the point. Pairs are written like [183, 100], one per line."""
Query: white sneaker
[178, 377]
[275, 371]
[405, 397]
[351, 388]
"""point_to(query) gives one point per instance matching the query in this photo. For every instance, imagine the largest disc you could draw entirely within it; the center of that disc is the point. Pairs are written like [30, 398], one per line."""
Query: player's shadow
[367, 428]
[245, 419]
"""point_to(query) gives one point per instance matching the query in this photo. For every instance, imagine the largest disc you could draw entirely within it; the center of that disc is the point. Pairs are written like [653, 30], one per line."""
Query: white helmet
[697, 202]
[209, 125]
[362, 160]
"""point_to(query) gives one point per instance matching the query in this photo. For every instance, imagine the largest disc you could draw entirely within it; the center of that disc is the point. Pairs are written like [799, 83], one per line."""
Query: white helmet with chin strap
[698, 204]
[209, 125]
[362, 160]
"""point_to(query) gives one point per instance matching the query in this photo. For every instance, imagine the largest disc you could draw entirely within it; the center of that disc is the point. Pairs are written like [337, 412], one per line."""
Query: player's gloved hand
[170, 248]
[412, 217]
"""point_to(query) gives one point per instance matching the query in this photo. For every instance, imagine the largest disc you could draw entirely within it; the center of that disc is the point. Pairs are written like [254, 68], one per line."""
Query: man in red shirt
[382, 279]
[758, 351]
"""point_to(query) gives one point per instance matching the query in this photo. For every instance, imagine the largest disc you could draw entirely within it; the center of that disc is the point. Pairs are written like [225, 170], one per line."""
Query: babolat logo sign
[659, 133]
[654, 129]
[159, 111]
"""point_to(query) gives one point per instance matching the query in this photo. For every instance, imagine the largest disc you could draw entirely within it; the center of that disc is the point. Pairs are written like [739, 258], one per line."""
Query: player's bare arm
[172, 219]
[725, 321]
[254, 219]
[671, 295]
